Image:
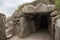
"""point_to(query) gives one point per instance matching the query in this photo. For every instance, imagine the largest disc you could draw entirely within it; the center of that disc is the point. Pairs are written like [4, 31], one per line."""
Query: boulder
[2, 27]
[9, 29]
[40, 7]
[25, 28]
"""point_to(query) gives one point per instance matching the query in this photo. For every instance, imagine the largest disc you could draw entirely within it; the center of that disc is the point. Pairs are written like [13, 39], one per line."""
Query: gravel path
[42, 35]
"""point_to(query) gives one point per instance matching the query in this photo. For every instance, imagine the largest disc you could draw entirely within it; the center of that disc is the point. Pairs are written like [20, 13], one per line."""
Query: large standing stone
[16, 26]
[2, 28]
[53, 28]
[53, 22]
[9, 29]
[57, 28]
[27, 26]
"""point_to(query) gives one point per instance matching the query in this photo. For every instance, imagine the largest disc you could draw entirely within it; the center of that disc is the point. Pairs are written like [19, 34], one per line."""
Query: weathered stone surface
[3, 17]
[9, 29]
[16, 26]
[44, 8]
[27, 26]
[2, 27]
[22, 26]
[53, 23]
[53, 28]
[54, 13]
[40, 7]
[29, 8]
[57, 28]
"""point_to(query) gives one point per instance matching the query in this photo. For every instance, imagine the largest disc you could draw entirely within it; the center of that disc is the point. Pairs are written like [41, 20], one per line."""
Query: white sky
[9, 6]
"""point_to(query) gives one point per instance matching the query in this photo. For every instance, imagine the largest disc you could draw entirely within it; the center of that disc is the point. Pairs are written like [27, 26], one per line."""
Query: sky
[8, 7]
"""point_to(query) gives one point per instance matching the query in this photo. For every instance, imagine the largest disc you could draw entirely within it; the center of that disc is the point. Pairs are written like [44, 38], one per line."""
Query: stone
[2, 27]
[53, 23]
[40, 7]
[9, 29]
[57, 30]
[44, 7]
[16, 26]
[27, 26]
[29, 8]
[54, 13]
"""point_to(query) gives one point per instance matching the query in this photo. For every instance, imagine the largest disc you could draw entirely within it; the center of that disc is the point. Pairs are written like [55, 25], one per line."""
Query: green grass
[57, 3]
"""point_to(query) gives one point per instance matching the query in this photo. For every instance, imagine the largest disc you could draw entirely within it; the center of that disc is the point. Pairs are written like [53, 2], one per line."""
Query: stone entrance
[41, 21]
[32, 19]
[38, 22]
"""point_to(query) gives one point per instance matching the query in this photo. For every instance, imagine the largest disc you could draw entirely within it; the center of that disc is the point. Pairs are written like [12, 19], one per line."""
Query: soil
[41, 35]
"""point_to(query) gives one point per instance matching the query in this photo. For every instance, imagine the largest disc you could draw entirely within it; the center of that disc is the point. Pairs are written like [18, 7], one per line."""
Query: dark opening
[42, 25]
[44, 22]
[41, 22]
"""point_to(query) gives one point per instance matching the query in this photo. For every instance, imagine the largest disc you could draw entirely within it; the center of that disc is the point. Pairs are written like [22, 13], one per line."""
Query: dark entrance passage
[42, 26]
[44, 22]
[41, 22]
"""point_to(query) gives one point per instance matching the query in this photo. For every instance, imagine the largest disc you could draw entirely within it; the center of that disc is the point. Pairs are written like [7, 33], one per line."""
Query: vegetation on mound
[57, 3]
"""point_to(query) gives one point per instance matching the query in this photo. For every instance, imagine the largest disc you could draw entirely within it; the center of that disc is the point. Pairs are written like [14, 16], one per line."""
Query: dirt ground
[41, 35]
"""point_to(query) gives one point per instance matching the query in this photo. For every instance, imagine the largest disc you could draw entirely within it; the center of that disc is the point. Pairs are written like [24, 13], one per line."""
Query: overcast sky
[9, 6]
